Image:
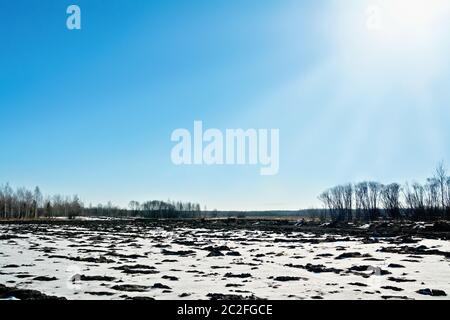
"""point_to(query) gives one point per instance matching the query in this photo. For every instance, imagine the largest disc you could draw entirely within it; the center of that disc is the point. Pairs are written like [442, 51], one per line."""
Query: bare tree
[74, 207]
[441, 179]
[409, 197]
[37, 201]
[325, 198]
[374, 189]
[447, 199]
[2, 203]
[432, 197]
[347, 194]
[390, 196]
[415, 200]
[362, 203]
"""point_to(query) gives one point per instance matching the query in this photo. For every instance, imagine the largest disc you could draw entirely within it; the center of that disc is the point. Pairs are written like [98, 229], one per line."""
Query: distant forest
[25, 204]
[369, 200]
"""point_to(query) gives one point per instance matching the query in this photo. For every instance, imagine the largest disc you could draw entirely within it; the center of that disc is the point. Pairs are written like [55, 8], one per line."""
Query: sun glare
[405, 38]
[410, 19]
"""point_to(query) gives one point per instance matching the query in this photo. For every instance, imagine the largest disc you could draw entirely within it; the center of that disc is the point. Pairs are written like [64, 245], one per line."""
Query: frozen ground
[123, 261]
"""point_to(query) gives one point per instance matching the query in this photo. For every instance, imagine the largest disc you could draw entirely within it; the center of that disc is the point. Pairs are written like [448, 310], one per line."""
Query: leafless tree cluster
[165, 209]
[339, 200]
[25, 204]
[149, 209]
[368, 200]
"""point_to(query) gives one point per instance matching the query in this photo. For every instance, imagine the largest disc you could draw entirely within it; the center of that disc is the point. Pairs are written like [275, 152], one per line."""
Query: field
[223, 259]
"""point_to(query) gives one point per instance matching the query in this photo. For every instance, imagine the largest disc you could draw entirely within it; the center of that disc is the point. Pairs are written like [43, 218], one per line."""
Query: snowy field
[135, 261]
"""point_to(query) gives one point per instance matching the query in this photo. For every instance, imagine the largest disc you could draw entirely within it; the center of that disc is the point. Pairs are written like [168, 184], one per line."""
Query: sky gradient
[91, 111]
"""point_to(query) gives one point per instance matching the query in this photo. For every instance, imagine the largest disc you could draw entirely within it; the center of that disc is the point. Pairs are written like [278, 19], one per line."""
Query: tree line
[22, 203]
[369, 200]
[164, 209]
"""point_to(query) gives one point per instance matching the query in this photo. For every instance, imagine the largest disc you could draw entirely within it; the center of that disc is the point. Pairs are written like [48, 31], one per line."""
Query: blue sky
[91, 111]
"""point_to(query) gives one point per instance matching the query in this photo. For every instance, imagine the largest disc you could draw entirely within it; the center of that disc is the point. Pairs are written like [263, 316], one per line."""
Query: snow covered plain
[138, 261]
